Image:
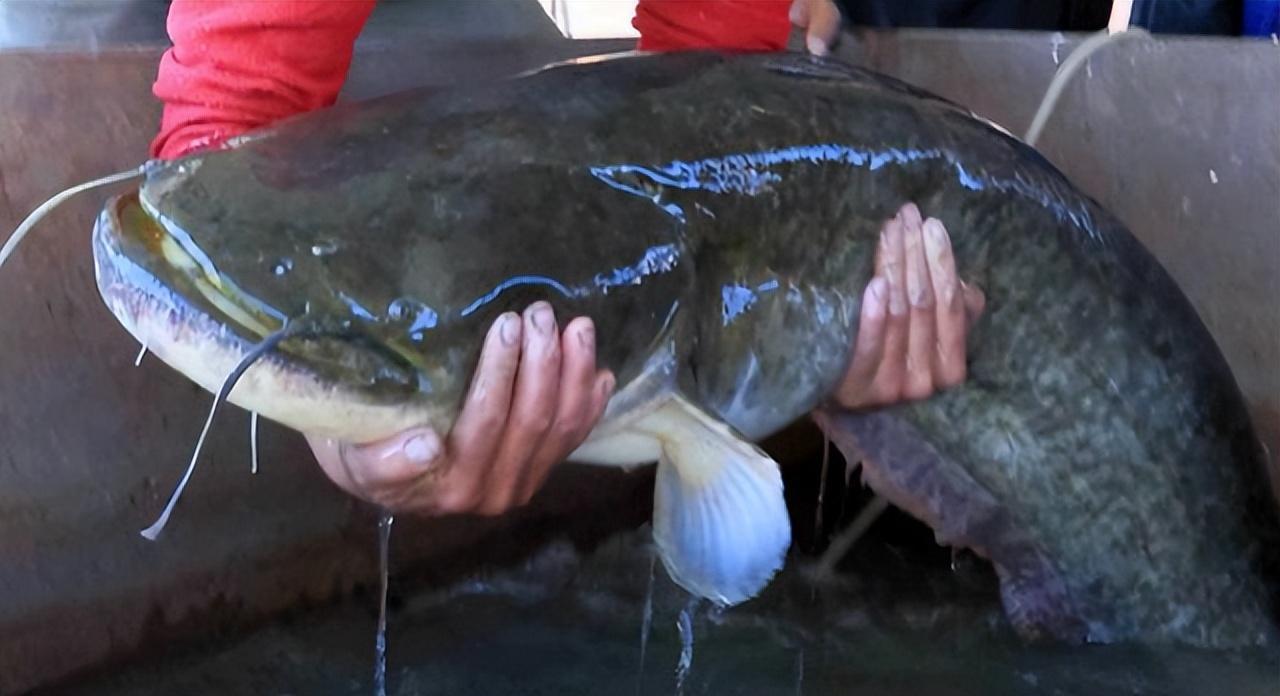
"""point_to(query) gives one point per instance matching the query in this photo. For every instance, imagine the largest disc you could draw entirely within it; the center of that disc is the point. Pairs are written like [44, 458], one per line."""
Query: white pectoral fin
[719, 520]
[624, 448]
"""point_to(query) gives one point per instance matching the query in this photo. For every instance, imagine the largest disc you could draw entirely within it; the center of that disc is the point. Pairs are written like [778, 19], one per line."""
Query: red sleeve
[746, 25]
[235, 66]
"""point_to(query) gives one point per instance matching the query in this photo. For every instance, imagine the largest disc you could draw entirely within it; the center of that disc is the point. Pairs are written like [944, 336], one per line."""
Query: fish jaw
[206, 349]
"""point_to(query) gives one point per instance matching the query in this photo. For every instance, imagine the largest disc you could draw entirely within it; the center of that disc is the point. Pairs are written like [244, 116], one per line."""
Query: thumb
[369, 468]
[397, 459]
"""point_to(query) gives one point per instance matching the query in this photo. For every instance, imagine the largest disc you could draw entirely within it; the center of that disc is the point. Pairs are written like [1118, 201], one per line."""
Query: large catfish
[717, 217]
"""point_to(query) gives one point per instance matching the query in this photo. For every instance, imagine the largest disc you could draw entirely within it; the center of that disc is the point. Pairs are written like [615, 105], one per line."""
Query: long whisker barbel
[58, 199]
[257, 352]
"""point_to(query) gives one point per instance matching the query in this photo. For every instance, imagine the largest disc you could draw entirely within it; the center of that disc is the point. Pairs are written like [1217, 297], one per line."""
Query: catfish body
[717, 217]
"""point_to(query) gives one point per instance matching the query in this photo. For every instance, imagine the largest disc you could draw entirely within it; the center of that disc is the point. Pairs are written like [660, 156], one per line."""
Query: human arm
[236, 66]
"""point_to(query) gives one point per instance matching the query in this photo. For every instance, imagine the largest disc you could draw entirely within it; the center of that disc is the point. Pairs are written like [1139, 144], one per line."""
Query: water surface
[565, 624]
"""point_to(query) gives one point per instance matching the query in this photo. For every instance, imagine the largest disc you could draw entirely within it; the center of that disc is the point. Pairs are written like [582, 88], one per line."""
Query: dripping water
[380, 640]
[800, 672]
[141, 354]
[822, 489]
[646, 622]
[841, 545]
[685, 626]
[253, 442]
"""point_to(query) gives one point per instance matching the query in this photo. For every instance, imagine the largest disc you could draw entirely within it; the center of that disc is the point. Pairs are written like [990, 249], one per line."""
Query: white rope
[1068, 68]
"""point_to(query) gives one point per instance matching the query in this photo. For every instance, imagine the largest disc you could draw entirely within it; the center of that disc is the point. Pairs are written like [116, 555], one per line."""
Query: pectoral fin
[719, 520]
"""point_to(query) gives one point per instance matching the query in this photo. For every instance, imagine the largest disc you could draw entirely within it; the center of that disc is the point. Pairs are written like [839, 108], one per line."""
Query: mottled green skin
[1099, 419]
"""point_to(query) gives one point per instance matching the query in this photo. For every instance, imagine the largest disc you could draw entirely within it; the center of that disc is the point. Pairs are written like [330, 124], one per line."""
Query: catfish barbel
[717, 216]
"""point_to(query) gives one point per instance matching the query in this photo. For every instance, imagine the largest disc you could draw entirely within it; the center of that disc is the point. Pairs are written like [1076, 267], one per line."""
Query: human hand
[916, 314]
[821, 21]
[535, 396]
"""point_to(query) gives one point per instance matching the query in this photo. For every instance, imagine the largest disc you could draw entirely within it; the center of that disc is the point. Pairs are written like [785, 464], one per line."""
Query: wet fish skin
[1100, 453]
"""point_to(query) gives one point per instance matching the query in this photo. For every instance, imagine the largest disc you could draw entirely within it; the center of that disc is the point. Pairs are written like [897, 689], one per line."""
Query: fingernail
[606, 387]
[817, 46]
[937, 234]
[510, 329]
[898, 302]
[917, 289]
[878, 286]
[542, 317]
[587, 336]
[422, 449]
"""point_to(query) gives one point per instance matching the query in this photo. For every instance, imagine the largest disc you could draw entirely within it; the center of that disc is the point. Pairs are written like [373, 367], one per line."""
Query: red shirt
[236, 65]
[747, 25]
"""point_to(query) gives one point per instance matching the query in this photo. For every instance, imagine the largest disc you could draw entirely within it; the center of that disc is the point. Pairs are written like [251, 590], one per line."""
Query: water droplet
[685, 627]
[324, 248]
[1213, 176]
[418, 315]
[283, 266]
[417, 336]
[399, 309]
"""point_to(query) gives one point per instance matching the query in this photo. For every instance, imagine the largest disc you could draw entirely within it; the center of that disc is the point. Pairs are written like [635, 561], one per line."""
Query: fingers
[533, 408]
[578, 405]
[952, 323]
[921, 331]
[824, 27]
[478, 430]
[534, 398]
[799, 13]
[975, 301]
[821, 21]
[868, 349]
[911, 340]
[891, 265]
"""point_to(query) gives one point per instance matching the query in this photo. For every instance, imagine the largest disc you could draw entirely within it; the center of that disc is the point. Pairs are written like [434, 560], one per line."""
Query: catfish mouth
[182, 311]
